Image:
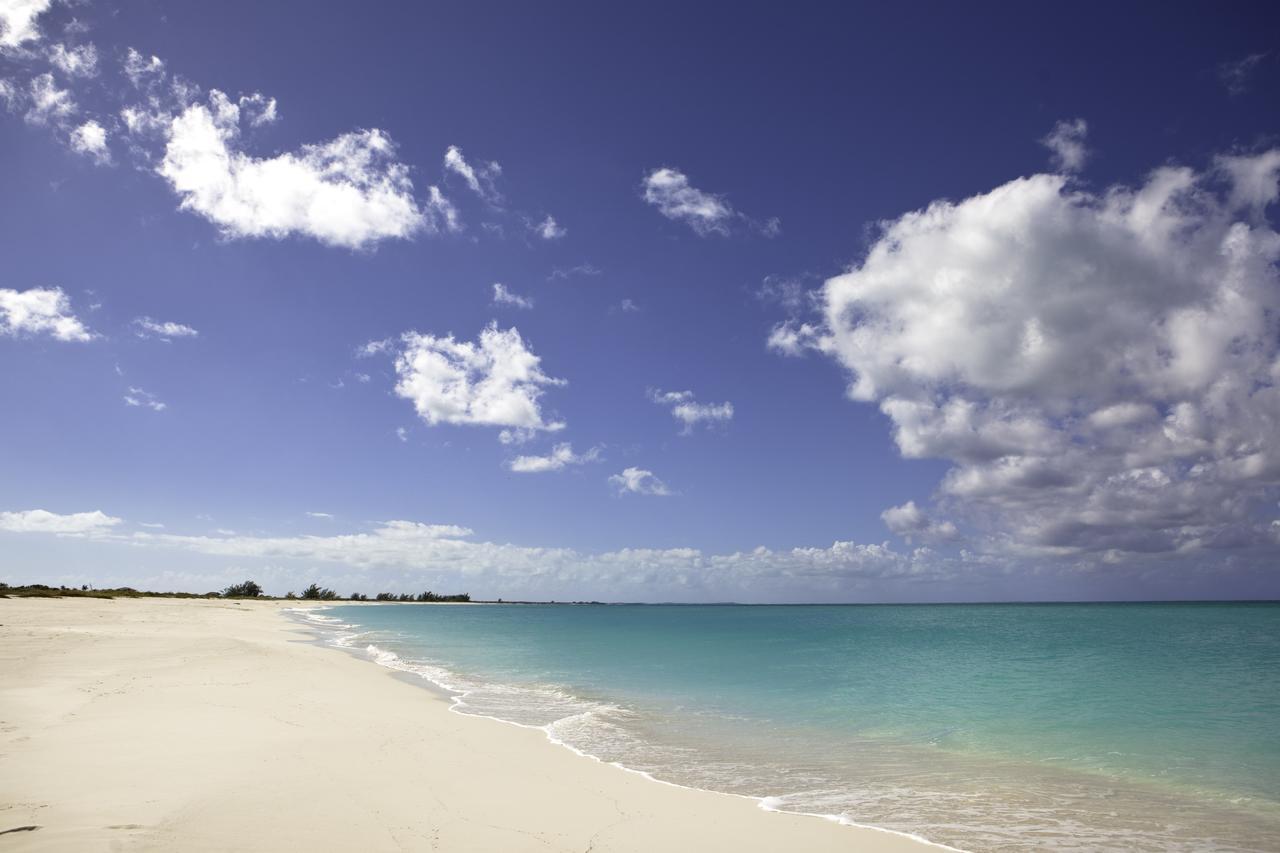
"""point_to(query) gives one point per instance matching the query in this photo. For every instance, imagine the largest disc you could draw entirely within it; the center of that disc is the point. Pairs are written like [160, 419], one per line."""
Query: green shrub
[315, 592]
[248, 589]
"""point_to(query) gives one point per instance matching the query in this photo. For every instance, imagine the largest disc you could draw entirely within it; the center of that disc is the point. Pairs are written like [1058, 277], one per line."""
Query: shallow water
[986, 727]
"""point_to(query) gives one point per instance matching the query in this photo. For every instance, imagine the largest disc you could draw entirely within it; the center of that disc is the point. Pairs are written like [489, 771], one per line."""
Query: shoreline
[456, 698]
[213, 725]
[1007, 799]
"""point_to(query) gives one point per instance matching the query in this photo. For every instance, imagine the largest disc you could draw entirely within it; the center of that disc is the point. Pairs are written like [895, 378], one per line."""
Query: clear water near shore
[985, 727]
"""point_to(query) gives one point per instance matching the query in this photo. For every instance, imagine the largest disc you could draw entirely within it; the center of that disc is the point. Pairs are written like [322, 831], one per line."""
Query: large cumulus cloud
[1100, 367]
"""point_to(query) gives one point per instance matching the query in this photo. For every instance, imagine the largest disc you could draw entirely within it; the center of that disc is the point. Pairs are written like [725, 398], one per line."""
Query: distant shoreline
[44, 591]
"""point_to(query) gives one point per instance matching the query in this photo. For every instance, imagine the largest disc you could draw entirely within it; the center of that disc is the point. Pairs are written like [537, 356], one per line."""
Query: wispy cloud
[706, 213]
[144, 399]
[80, 61]
[1237, 75]
[147, 327]
[43, 521]
[638, 481]
[584, 269]
[479, 179]
[503, 296]
[548, 228]
[561, 456]
[689, 412]
[669, 190]
[1066, 142]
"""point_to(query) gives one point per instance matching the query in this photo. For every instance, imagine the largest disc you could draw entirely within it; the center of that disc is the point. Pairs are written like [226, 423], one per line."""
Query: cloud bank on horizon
[1094, 362]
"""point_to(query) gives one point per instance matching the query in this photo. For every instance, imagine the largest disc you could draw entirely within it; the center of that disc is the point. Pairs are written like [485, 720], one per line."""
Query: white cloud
[480, 180]
[144, 399]
[548, 228]
[1236, 75]
[1066, 142]
[75, 61]
[90, 139]
[689, 412]
[560, 456]
[670, 192]
[628, 306]
[1102, 370]
[43, 521]
[350, 191]
[402, 433]
[40, 310]
[166, 330]
[502, 296]
[18, 23]
[911, 522]
[324, 515]
[638, 481]
[495, 381]
[49, 104]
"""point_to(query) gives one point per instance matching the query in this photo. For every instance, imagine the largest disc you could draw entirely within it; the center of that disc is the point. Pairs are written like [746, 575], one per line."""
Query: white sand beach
[179, 725]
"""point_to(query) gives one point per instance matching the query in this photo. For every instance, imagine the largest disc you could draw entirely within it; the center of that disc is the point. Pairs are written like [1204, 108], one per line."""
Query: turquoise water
[986, 727]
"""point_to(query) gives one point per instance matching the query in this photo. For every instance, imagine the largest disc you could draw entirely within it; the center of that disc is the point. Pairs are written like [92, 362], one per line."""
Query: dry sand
[183, 725]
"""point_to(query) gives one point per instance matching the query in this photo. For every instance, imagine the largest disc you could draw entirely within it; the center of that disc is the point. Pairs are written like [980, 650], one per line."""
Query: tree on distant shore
[248, 589]
[315, 592]
[431, 596]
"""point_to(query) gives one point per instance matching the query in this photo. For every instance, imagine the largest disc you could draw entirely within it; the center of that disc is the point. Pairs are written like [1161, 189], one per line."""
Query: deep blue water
[1092, 726]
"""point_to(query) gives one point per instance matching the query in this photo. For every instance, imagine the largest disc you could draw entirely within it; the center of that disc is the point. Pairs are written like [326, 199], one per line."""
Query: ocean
[984, 727]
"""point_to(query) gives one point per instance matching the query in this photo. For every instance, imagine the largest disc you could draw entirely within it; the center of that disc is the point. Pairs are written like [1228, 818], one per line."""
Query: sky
[648, 302]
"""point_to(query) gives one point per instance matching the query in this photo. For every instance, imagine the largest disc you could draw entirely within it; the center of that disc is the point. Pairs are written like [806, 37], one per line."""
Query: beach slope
[162, 724]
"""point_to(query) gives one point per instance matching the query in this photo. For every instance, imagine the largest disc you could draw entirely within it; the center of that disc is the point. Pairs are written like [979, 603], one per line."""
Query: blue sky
[868, 303]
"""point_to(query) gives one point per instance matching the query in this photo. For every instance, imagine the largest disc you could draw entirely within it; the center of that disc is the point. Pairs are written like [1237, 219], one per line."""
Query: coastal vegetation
[422, 597]
[247, 589]
[39, 590]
